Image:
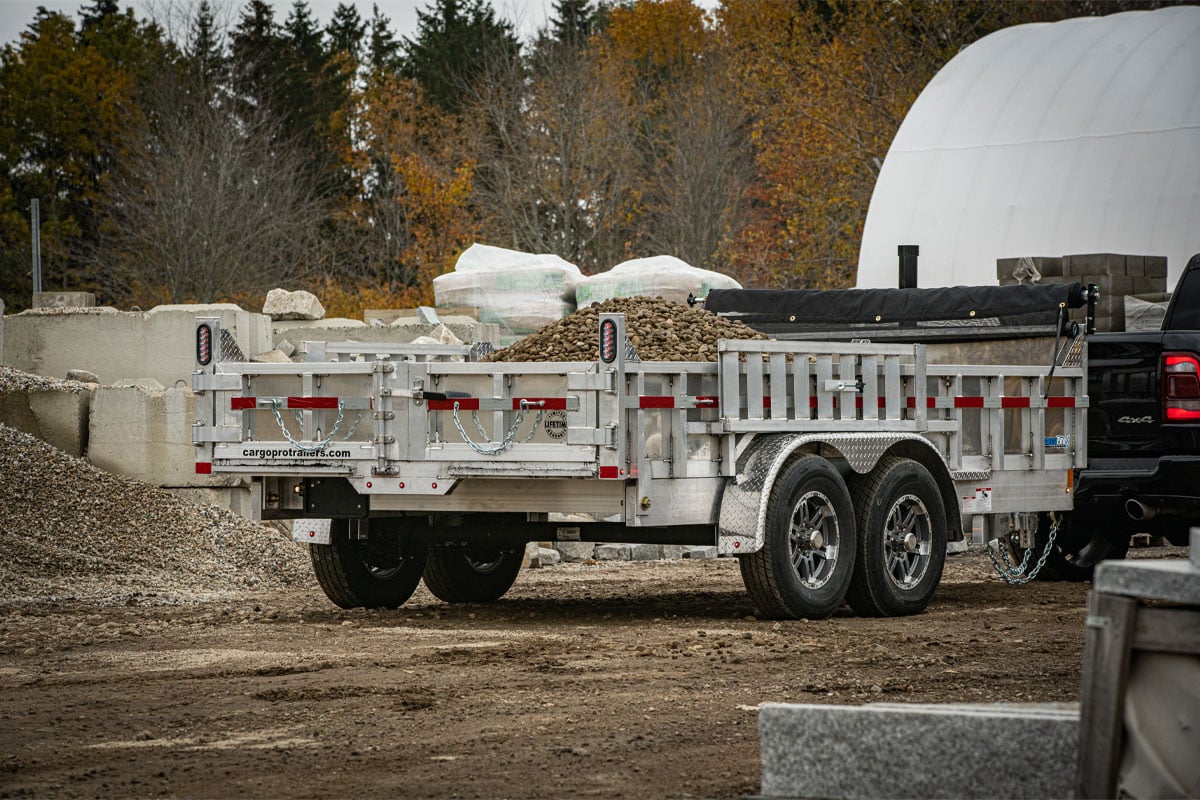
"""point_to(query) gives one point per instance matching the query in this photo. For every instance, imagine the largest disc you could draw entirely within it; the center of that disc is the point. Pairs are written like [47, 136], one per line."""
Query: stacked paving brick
[1118, 276]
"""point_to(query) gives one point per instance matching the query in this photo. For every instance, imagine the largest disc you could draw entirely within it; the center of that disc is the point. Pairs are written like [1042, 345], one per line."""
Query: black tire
[901, 539]
[380, 571]
[807, 557]
[1082, 542]
[471, 574]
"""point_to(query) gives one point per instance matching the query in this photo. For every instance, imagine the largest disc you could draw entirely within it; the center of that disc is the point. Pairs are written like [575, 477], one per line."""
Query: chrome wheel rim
[814, 539]
[908, 541]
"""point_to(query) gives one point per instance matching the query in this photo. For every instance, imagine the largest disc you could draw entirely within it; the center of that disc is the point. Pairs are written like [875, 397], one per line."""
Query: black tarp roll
[891, 307]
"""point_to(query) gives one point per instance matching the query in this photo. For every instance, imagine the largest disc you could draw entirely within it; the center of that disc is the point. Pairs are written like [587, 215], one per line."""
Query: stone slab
[398, 333]
[919, 751]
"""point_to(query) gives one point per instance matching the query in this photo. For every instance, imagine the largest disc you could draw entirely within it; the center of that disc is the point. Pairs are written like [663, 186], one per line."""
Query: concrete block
[64, 300]
[144, 431]
[282, 304]
[1094, 263]
[612, 552]
[56, 416]
[1149, 285]
[1156, 267]
[2, 361]
[1175, 581]
[402, 332]
[672, 552]
[816, 751]
[158, 344]
[1135, 266]
[645, 552]
[704, 553]
[575, 551]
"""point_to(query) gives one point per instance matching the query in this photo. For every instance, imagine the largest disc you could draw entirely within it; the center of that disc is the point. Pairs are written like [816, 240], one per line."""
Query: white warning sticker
[978, 503]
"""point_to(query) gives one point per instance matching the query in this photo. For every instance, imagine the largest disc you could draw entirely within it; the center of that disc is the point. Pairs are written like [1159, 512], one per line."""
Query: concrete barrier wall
[144, 431]
[116, 345]
[59, 417]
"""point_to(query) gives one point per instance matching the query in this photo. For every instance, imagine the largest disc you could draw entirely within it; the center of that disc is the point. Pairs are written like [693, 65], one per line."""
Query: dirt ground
[608, 680]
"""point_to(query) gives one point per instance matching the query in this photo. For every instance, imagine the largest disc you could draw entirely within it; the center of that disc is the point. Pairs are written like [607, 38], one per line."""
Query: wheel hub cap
[910, 543]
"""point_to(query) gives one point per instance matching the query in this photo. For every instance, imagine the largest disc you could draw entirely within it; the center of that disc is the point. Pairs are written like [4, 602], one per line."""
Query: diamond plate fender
[743, 515]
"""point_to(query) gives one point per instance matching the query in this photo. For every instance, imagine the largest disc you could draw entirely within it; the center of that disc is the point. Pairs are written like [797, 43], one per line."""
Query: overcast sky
[527, 15]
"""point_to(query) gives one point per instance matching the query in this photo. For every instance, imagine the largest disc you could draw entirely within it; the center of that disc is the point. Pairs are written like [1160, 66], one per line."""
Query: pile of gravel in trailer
[74, 532]
[659, 329]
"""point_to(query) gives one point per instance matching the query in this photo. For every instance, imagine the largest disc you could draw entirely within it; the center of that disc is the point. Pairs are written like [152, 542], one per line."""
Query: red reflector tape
[968, 402]
[204, 468]
[930, 402]
[312, 402]
[464, 404]
[543, 403]
[609, 473]
[243, 403]
[1014, 402]
[1060, 402]
[653, 401]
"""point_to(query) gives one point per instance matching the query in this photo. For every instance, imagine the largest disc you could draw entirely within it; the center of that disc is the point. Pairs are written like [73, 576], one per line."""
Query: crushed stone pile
[659, 329]
[14, 381]
[74, 532]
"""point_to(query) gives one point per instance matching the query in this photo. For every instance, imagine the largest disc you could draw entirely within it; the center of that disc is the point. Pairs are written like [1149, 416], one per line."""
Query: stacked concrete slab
[1118, 276]
[54, 411]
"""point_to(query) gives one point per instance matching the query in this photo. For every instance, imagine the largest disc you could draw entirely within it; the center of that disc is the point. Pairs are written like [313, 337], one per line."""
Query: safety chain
[299, 417]
[507, 441]
[315, 446]
[1017, 576]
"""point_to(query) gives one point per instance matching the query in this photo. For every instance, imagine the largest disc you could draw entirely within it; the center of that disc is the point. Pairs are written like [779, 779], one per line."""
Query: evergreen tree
[255, 46]
[457, 42]
[384, 53]
[345, 32]
[205, 46]
[574, 21]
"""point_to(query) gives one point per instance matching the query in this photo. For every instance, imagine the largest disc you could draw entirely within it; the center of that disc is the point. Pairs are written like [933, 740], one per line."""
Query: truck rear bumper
[1171, 485]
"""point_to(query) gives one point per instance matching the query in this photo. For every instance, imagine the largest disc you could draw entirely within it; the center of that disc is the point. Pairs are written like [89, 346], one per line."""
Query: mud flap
[310, 531]
[743, 514]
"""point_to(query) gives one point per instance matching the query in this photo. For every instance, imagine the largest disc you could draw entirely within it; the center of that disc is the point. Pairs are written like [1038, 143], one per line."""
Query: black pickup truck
[1143, 437]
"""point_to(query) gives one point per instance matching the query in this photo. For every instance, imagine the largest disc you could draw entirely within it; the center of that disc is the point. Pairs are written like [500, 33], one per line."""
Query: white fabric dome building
[1081, 136]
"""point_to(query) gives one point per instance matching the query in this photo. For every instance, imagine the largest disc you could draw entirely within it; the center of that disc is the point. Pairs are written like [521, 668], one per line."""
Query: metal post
[35, 232]
[908, 265]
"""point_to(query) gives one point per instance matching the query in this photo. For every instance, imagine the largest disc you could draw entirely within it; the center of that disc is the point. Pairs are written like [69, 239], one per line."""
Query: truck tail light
[608, 341]
[204, 341]
[1181, 387]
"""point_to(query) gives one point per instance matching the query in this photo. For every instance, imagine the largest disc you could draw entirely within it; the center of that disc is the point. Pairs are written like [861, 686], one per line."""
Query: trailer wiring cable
[509, 437]
[1058, 325]
[1018, 575]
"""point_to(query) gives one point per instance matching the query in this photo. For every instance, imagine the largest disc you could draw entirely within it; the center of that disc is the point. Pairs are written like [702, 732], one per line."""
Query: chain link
[315, 446]
[507, 441]
[1018, 576]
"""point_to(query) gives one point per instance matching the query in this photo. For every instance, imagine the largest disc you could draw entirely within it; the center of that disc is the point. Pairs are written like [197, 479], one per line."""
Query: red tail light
[1181, 387]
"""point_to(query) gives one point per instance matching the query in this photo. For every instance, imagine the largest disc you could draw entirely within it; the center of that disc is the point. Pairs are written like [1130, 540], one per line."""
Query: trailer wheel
[1082, 542]
[901, 539]
[807, 557]
[471, 574]
[380, 571]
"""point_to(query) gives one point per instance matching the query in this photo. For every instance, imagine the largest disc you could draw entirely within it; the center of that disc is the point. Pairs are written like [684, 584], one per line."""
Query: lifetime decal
[555, 424]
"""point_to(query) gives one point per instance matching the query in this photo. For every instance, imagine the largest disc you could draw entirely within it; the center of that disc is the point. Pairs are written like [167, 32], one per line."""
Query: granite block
[700, 552]
[894, 751]
[575, 551]
[1156, 267]
[1175, 581]
[612, 552]
[645, 552]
